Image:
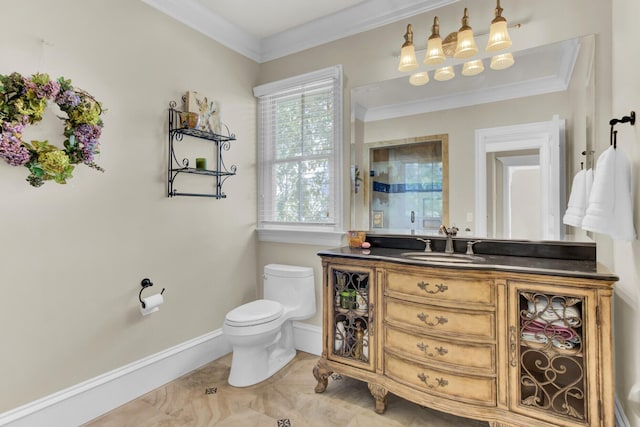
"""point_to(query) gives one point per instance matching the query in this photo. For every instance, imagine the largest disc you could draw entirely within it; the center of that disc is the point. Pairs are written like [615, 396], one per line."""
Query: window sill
[301, 237]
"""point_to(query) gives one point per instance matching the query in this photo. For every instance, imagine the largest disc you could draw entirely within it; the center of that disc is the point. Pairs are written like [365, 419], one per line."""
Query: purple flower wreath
[23, 101]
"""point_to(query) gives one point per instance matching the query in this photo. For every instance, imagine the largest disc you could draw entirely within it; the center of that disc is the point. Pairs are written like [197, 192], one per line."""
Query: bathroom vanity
[514, 340]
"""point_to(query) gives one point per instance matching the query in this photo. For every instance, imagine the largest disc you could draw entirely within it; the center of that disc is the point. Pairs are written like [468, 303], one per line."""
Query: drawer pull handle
[440, 350]
[440, 320]
[440, 287]
[512, 345]
[440, 382]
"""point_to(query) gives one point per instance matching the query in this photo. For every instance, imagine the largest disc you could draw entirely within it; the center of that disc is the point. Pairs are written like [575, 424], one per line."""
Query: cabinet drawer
[479, 357]
[443, 288]
[478, 324]
[473, 389]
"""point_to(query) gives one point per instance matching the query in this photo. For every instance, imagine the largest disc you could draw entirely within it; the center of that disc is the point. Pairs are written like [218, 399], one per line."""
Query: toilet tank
[293, 287]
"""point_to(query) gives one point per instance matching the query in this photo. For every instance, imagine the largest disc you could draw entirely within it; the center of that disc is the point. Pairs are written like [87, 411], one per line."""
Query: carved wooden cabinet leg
[498, 424]
[322, 376]
[380, 394]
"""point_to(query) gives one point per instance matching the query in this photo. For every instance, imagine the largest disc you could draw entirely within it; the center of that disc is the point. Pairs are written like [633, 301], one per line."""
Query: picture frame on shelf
[208, 111]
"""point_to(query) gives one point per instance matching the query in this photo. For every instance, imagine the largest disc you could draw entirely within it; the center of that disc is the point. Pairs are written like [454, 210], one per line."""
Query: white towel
[577, 200]
[623, 209]
[557, 313]
[610, 210]
[589, 183]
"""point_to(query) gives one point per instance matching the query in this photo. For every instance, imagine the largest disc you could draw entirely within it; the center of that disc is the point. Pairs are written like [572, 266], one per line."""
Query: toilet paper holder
[145, 283]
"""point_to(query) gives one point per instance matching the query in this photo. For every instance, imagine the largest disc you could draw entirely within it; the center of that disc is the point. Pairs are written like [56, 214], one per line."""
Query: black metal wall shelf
[176, 167]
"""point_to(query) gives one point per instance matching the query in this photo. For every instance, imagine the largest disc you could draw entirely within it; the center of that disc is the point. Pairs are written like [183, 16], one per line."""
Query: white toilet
[261, 331]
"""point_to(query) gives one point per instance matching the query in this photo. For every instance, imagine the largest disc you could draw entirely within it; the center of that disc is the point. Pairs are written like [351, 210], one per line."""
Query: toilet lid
[254, 313]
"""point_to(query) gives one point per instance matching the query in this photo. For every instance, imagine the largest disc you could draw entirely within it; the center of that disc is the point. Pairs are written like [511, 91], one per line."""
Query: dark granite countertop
[566, 261]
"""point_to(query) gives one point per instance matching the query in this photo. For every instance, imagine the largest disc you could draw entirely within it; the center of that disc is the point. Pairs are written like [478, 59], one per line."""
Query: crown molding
[465, 99]
[193, 14]
[356, 19]
[353, 20]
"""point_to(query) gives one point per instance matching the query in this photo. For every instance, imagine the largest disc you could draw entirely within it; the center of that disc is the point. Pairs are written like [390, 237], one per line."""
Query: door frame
[546, 137]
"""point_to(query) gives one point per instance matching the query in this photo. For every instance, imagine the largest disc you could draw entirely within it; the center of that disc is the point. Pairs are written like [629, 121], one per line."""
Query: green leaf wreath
[23, 101]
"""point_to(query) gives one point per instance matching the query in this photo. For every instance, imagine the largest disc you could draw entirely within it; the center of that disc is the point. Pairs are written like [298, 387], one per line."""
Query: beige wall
[72, 257]
[626, 262]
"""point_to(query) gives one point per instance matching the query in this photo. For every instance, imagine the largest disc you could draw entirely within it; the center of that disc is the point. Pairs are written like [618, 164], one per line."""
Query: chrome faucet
[470, 244]
[449, 233]
[427, 244]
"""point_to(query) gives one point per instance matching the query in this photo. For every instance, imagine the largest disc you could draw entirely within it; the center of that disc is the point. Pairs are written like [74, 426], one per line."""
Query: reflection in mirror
[555, 79]
[520, 181]
[409, 185]
[517, 178]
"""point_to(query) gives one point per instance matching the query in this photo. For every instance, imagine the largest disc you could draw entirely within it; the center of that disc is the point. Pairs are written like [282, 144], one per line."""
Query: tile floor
[203, 398]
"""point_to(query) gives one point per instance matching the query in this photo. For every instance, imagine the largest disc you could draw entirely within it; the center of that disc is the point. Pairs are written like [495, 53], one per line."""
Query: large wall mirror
[550, 82]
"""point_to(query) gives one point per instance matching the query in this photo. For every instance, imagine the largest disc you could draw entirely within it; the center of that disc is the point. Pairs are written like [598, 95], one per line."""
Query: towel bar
[631, 119]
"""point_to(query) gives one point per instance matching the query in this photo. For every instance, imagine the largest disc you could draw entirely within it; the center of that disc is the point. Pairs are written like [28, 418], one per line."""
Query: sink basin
[442, 257]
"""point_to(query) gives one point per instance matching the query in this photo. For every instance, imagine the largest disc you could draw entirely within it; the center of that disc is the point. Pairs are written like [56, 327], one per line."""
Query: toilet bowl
[261, 332]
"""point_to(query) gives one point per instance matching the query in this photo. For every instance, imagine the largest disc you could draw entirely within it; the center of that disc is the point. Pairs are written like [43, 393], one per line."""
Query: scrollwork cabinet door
[350, 323]
[553, 354]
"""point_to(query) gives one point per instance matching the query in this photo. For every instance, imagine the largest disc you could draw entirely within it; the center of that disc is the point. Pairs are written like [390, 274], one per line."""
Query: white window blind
[300, 146]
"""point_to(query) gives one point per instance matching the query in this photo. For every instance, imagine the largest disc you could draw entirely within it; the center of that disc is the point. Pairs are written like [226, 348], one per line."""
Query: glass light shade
[435, 54]
[445, 73]
[498, 36]
[419, 79]
[466, 46]
[408, 61]
[472, 68]
[500, 62]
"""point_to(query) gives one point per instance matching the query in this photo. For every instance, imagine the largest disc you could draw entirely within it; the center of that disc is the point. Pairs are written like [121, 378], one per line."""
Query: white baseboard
[307, 338]
[621, 418]
[90, 399]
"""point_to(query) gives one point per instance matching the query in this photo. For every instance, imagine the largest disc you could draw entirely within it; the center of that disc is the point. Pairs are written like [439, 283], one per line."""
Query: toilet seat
[254, 313]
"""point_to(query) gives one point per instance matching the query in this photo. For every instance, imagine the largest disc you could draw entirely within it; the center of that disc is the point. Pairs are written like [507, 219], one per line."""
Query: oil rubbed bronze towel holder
[631, 119]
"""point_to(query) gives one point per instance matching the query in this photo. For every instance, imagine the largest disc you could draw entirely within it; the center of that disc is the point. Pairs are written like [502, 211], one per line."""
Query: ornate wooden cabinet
[510, 348]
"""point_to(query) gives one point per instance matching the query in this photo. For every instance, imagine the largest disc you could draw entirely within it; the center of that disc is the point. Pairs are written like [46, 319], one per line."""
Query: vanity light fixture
[458, 45]
[408, 60]
[498, 33]
[472, 68]
[445, 73]
[501, 62]
[435, 54]
[466, 46]
[419, 79]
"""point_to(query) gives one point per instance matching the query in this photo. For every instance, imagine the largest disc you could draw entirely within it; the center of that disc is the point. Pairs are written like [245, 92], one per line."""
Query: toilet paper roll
[151, 304]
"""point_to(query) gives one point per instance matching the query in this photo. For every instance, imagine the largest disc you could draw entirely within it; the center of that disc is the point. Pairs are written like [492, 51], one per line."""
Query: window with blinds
[300, 146]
